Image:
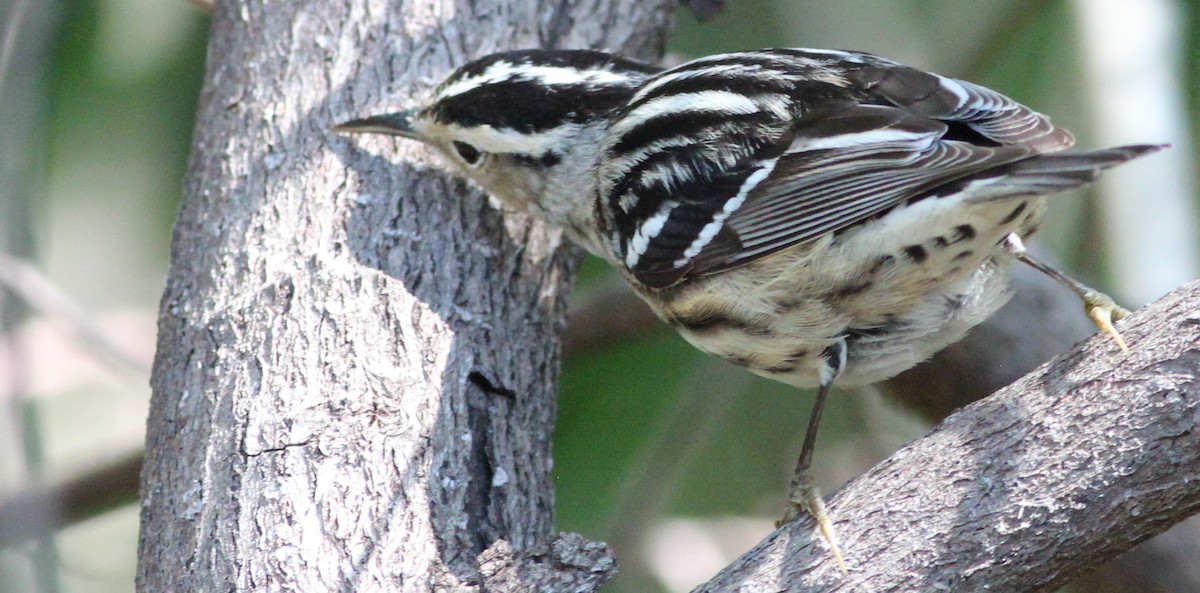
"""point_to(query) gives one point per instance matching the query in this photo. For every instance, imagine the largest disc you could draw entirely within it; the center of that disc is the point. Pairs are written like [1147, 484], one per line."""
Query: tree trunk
[354, 385]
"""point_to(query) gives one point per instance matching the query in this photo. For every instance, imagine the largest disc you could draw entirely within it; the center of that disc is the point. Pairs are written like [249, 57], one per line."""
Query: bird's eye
[468, 153]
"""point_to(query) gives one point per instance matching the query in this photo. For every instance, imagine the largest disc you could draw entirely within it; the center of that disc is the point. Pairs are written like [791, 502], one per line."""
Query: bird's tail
[1048, 173]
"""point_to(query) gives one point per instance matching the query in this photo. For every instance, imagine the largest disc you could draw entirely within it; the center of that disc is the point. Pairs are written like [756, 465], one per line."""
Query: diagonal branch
[25, 281]
[40, 510]
[1073, 464]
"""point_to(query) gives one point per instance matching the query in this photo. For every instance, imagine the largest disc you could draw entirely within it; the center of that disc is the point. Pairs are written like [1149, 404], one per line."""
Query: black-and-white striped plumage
[814, 216]
[726, 159]
[772, 203]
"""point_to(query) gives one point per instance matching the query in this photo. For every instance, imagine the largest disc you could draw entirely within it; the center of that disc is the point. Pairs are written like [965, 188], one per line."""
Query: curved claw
[1102, 310]
[816, 508]
[808, 498]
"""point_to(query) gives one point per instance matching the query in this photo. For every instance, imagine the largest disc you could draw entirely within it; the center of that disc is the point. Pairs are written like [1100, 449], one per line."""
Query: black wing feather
[863, 136]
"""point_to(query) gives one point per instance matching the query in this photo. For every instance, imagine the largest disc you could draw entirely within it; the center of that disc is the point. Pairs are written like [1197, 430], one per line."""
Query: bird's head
[525, 125]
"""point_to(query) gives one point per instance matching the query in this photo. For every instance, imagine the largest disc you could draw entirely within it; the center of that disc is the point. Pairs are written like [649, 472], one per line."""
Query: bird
[815, 216]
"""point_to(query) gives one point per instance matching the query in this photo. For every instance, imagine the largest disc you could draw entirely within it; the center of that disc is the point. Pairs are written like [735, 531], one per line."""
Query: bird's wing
[888, 135]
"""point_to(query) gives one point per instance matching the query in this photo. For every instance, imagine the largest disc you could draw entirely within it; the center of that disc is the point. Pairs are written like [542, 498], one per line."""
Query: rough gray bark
[1041, 321]
[1076, 462]
[1164, 564]
[354, 384]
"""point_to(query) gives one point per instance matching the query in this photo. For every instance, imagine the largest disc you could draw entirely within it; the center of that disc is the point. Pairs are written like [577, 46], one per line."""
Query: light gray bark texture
[1042, 320]
[357, 357]
[1072, 464]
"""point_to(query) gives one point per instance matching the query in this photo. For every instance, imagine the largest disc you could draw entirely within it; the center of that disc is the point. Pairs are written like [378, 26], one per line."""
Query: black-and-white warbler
[813, 216]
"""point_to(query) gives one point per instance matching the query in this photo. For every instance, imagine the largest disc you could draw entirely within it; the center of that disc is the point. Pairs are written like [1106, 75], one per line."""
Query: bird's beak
[395, 124]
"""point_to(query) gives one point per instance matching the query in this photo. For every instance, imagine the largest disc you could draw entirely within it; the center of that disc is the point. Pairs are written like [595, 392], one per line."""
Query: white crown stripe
[547, 75]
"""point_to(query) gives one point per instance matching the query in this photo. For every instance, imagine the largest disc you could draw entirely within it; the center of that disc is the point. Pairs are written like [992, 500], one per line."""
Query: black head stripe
[522, 100]
[529, 106]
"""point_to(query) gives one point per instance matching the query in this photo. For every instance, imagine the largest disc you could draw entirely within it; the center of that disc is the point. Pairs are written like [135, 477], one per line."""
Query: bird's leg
[1100, 308]
[803, 494]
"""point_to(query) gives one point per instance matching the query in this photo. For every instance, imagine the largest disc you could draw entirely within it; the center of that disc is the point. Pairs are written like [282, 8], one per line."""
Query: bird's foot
[805, 497]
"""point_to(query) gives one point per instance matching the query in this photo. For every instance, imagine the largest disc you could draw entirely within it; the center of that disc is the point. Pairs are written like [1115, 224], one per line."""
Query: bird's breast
[898, 289]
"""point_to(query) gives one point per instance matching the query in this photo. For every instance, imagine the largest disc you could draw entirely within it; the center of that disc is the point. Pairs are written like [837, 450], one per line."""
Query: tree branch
[1042, 320]
[1073, 464]
[24, 280]
[40, 510]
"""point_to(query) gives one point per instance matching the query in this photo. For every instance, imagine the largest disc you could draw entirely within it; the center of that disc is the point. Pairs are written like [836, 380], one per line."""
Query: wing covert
[842, 170]
[710, 167]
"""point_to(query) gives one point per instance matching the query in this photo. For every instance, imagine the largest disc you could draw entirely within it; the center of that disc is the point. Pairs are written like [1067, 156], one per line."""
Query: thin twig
[42, 510]
[30, 285]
